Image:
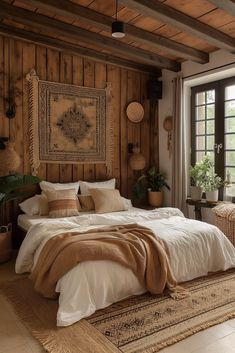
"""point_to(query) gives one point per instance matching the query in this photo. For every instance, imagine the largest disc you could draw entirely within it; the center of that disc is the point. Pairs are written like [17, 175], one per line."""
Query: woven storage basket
[226, 226]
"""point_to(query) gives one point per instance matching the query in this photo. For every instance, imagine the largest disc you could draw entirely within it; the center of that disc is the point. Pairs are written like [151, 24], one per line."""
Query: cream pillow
[107, 200]
[46, 185]
[85, 185]
[31, 206]
[86, 203]
[62, 203]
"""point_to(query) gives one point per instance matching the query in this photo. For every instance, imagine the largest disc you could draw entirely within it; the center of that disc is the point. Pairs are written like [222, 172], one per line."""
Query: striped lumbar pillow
[62, 203]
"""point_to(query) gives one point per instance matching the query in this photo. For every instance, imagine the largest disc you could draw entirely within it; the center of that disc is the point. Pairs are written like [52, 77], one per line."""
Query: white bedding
[195, 248]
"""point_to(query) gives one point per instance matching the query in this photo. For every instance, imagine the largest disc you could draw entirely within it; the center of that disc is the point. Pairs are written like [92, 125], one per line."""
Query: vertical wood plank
[66, 66]
[53, 70]
[123, 134]
[78, 169]
[15, 79]
[145, 123]
[100, 82]
[41, 69]
[89, 80]
[113, 76]
[28, 64]
[154, 149]
[4, 121]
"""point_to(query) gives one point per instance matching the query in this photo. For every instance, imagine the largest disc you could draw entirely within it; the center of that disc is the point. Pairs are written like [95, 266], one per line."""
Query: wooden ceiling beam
[73, 49]
[168, 15]
[93, 18]
[227, 5]
[44, 23]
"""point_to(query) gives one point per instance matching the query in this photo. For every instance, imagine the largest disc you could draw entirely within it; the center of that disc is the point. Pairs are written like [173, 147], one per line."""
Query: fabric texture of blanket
[132, 245]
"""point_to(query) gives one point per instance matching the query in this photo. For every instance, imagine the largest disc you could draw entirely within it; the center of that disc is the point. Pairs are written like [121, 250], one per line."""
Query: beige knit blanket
[132, 246]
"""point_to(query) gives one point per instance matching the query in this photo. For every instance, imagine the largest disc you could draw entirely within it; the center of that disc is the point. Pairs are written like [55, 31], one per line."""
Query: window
[213, 126]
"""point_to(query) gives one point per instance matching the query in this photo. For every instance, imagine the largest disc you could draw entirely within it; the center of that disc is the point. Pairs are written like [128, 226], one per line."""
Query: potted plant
[11, 188]
[150, 184]
[211, 186]
[198, 174]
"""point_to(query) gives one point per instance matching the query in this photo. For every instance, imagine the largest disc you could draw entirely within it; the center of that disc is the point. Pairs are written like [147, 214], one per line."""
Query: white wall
[221, 65]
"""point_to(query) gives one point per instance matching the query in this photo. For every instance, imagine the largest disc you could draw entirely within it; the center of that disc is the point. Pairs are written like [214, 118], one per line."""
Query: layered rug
[141, 324]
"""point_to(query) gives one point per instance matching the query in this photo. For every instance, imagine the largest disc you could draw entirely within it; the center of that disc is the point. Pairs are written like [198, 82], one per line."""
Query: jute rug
[142, 324]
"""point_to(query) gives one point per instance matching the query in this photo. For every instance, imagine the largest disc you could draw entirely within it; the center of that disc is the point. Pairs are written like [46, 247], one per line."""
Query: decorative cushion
[31, 206]
[62, 203]
[107, 200]
[86, 202]
[85, 185]
[46, 185]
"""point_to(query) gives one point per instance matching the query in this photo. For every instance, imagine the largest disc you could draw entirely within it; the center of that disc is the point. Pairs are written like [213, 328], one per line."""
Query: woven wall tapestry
[69, 124]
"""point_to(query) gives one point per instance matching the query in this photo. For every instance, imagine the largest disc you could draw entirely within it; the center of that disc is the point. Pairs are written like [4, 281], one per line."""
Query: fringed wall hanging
[69, 124]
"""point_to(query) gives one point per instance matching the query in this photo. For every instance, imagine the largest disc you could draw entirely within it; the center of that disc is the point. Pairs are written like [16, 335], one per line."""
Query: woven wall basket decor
[135, 112]
[69, 124]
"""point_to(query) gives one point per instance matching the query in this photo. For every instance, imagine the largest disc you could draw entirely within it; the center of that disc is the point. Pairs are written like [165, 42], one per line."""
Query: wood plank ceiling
[159, 33]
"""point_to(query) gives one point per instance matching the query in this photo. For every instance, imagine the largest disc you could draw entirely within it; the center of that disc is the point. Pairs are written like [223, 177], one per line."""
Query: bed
[195, 248]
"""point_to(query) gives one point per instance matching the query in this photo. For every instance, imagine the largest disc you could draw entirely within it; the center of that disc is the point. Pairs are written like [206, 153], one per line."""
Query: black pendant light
[118, 26]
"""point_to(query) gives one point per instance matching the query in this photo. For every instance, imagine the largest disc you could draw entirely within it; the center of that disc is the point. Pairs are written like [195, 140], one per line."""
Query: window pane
[200, 127]
[200, 98]
[212, 155]
[199, 156]
[230, 158]
[200, 142]
[230, 92]
[210, 111]
[230, 141]
[210, 141]
[232, 173]
[230, 108]
[210, 126]
[200, 113]
[210, 96]
[230, 125]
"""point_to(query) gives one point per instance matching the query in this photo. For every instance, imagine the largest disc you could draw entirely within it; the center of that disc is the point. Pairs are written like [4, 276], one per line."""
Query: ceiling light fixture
[118, 26]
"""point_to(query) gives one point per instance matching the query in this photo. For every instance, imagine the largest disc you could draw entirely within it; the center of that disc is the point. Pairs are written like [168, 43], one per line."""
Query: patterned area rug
[142, 324]
[148, 323]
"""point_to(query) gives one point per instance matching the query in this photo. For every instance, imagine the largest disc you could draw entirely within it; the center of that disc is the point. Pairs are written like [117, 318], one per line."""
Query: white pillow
[31, 206]
[47, 186]
[127, 203]
[85, 185]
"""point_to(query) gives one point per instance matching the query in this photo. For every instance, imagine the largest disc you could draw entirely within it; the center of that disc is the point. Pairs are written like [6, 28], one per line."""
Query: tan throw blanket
[133, 246]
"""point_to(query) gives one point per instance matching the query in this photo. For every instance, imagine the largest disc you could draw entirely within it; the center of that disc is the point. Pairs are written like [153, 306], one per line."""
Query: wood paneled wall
[17, 58]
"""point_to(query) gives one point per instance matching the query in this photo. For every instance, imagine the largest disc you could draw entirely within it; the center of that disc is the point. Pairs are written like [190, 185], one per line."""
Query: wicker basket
[226, 226]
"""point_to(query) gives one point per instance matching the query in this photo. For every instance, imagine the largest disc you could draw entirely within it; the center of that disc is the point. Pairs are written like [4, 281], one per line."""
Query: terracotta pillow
[86, 203]
[62, 203]
[107, 200]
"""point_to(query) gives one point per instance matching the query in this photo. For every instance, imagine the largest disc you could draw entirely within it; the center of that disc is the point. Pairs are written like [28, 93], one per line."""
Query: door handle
[218, 147]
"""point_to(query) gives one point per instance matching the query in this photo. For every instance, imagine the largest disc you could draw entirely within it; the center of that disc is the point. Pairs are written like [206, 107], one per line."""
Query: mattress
[25, 221]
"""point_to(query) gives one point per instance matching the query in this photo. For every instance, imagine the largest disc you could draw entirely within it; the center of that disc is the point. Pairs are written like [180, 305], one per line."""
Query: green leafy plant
[203, 174]
[212, 182]
[152, 180]
[12, 188]
[198, 172]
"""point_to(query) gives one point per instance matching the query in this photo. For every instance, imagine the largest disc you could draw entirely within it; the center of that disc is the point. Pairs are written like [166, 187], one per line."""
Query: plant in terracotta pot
[150, 185]
[12, 187]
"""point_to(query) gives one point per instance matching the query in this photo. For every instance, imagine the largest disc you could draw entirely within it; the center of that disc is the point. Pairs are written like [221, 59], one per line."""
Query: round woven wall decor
[135, 112]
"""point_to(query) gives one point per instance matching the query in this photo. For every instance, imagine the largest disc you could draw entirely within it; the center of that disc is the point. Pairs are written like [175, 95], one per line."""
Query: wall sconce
[136, 160]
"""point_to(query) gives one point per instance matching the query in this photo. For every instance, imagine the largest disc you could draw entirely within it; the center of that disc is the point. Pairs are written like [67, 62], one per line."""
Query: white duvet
[195, 248]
